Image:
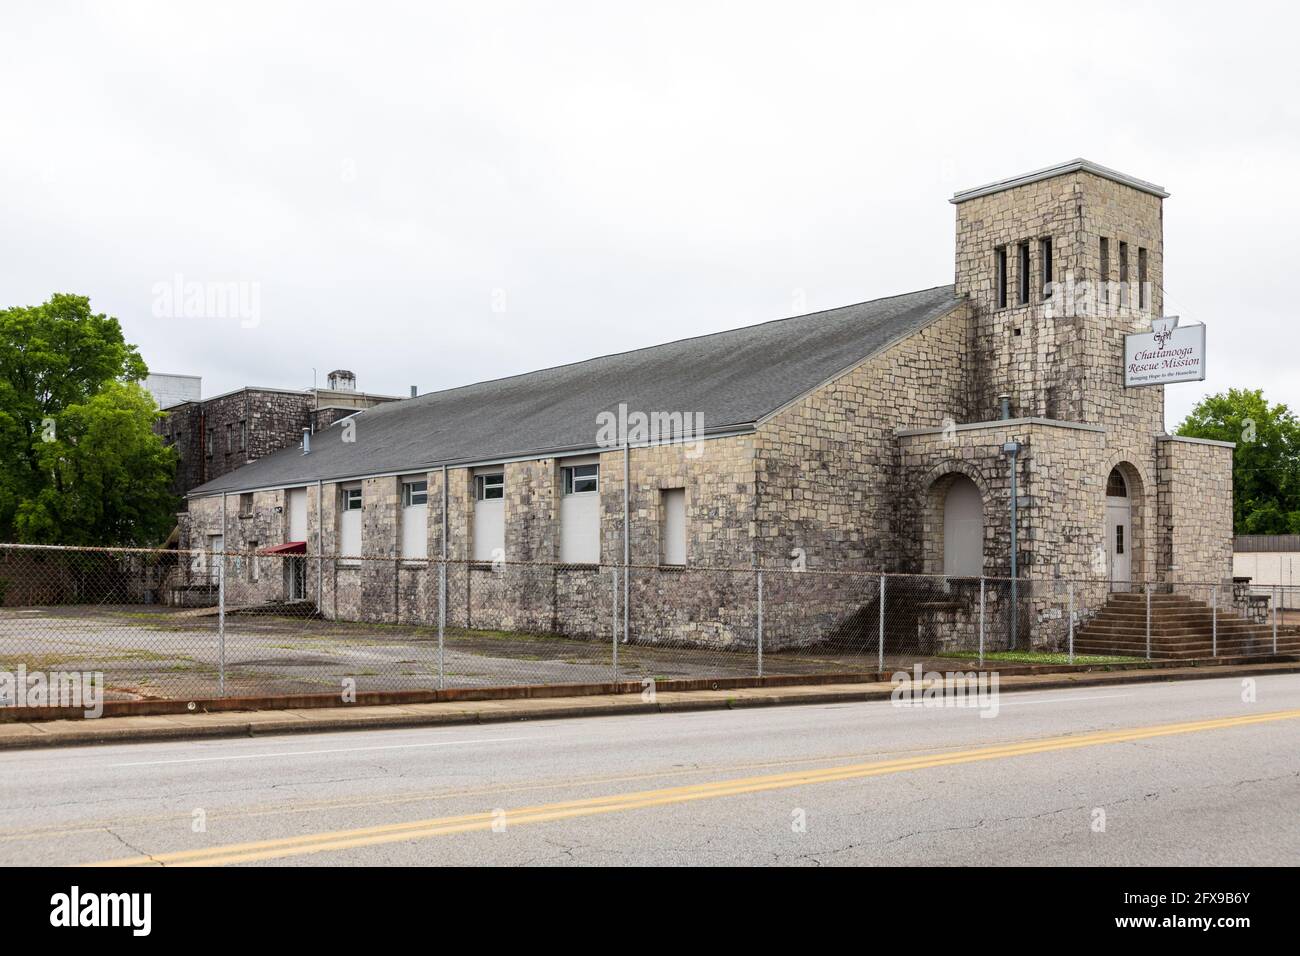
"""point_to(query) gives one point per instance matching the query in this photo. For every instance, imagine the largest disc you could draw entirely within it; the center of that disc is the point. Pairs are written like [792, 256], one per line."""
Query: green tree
[1266, 463]
[79, 462]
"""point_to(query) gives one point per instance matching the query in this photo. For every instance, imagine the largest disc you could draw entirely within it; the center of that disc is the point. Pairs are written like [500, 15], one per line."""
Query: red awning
[289, 547]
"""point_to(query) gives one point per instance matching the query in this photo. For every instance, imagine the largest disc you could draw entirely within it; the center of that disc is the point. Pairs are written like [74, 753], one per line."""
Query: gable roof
[732, 379]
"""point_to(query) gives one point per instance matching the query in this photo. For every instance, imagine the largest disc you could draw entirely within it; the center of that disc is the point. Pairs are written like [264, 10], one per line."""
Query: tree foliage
[79, 462]
[1266, 463]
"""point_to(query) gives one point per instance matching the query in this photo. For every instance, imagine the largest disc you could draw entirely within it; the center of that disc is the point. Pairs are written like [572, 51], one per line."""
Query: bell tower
[1059, 264]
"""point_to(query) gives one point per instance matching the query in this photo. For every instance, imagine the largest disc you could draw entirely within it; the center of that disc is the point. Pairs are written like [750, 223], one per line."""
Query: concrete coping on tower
[998, 423]
[1197, 441]
[1061, 169]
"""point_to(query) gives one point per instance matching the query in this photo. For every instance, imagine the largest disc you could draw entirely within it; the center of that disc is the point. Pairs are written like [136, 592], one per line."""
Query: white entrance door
[963, 529]
[1119, 532]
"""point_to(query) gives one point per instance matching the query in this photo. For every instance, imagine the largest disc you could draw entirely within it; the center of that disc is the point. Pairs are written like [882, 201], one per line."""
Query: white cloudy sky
[625, 173]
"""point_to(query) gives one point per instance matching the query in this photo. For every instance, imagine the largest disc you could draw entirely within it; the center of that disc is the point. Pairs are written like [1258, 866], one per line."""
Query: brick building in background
[214, 436]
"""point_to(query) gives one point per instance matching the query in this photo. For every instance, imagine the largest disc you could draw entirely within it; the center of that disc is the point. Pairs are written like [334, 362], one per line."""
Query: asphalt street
[1165, 773]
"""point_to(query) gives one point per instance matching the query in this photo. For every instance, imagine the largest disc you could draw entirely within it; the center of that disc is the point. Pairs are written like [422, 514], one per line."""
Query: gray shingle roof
[733, 379]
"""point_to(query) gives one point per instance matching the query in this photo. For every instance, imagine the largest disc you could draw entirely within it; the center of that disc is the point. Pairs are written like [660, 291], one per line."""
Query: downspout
[627, 541]
[320, 545]
[1012, 450]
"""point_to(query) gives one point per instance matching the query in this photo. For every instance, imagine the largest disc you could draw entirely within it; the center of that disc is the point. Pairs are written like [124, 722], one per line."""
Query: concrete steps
[1181, 628]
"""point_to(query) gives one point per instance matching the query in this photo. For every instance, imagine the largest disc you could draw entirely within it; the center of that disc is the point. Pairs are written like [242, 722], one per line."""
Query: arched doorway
[1119, 531]
[963, 529]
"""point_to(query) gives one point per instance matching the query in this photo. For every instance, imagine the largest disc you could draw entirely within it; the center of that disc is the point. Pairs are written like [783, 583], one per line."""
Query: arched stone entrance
[954, 522]
[1119, 530]
[963, 529]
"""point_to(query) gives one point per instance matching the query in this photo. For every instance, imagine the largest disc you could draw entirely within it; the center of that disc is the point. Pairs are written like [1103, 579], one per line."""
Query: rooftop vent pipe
[306, 441]
[1005, 400]
[413, 392]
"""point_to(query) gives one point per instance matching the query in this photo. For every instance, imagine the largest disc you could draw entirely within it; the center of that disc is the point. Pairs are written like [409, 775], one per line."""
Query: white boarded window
[580, 513]
[350, 521]
[297, 514]
[415, 518]
[489, 516]
[672, 533]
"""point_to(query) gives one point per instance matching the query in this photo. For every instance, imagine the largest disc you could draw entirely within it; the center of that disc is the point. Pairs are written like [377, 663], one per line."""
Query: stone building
[873, 437]
[214, 436]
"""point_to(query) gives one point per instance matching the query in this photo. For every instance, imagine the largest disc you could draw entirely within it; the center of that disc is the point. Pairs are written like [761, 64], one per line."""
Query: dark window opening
[1105, 269]
[1123, 274]
[1022, 285]
[1000, 263]
[1143, 298]
[1045, 253]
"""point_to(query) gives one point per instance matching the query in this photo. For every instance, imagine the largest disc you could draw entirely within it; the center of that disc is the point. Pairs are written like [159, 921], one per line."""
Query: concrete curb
[147, 729]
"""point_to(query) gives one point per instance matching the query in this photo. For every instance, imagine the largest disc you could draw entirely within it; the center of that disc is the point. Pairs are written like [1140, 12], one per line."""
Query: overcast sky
[435, 194]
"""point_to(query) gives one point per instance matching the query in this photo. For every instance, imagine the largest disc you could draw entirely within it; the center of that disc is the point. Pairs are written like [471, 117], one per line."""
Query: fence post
[1070, 588]
[880, 655]
[981, 620]
[760, 623]
[1147, 587]
[1214, 620]
[221, 623]
[1276, 598]
[442, 621]
[613, 624]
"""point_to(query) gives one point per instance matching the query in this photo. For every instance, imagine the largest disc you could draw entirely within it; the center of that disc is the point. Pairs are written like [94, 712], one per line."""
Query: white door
[1119, 532]
[217, 547]
[297, 515]
[963, 529]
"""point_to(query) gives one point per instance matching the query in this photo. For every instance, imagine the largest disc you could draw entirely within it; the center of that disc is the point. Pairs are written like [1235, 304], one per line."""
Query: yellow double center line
[468, 823]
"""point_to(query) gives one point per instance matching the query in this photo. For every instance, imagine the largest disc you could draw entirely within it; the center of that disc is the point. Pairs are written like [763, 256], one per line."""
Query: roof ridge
[659, 345]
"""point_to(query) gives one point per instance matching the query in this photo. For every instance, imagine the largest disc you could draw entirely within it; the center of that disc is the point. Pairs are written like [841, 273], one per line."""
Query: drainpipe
[627, 542]
[1012, 450]
[320, 547]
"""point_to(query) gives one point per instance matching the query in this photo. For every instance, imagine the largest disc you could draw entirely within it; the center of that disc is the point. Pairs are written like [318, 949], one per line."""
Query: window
[230, 437]
[414, 543]
[1022, 283]
[672, 532]
[490, 487]
[580, 513]
[246, 505]
[581, 479]
[1104, 252]
[415, 492]
[1123, 274]
[210, 442]
[1119, 539]
[350, 522]
[1045, 254]
[243, 436]
[1142, 279]
[489, 533]
[1000, 268]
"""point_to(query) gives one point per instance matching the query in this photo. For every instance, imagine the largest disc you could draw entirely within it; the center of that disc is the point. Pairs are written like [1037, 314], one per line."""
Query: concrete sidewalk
[120, 730]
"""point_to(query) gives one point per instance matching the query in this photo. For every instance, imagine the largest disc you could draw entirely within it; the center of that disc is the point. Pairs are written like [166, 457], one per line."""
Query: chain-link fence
[202, 624]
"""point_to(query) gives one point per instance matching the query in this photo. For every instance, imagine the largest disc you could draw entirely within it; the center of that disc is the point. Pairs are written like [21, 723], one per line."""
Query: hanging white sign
[1168, 353]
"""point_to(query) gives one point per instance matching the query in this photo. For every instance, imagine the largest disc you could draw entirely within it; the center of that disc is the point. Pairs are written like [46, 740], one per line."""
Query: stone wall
[825, 466]
[1195, 509]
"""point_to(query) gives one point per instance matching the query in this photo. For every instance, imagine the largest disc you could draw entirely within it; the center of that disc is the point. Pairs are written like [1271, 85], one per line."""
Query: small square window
[351, 499]
[581, 479]
[246, 504]
[415, 493]
[489, 487]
